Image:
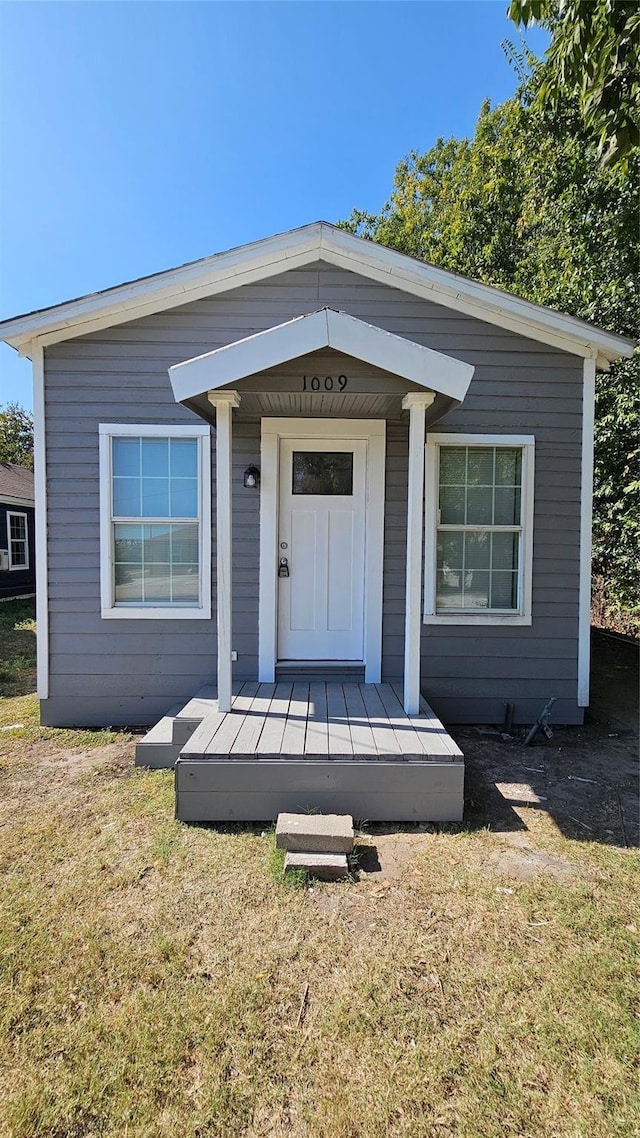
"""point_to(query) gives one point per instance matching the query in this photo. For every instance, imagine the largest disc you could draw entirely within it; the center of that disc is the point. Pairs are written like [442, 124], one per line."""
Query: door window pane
[322, 472]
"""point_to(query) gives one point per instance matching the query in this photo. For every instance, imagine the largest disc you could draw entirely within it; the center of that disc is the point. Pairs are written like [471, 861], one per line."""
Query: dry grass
[153, 976]
[19, 709]
[160, 981]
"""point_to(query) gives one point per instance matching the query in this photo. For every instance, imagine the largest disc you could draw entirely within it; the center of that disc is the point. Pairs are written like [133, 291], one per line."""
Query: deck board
[226, 732]
[338, 723]
[362, 738]
[246, 740]
[409, 740]
[270, 741]
[295, 730]
[317, 737]
[435, 737]
[383, 734]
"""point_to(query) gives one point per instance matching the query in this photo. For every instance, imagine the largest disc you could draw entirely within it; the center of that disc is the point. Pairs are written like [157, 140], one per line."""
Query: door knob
[283, 567]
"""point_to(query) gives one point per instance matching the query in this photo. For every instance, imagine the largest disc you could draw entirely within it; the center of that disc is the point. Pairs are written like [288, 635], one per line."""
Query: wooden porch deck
[328, 720]
[334, 747]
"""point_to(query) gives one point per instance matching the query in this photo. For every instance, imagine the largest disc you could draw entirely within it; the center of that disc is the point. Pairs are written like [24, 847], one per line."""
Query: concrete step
[315, 833]
[326, 866]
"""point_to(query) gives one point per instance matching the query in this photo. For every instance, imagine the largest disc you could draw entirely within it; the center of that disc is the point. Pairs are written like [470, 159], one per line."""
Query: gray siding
[134, 671]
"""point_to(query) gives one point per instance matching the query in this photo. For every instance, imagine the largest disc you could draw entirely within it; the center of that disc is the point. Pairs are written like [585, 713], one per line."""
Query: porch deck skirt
[330, 747]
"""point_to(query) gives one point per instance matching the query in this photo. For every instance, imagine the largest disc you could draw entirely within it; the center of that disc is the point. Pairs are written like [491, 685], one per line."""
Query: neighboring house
[236, 487]
[17, 532]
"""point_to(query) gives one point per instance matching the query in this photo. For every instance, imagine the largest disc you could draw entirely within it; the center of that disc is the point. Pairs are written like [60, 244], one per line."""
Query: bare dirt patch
[584, 778]
[520, 859]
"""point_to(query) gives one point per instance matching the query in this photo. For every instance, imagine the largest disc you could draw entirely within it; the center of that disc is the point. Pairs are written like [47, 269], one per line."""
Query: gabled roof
[15, 482]
[325, 328]
[295, 249]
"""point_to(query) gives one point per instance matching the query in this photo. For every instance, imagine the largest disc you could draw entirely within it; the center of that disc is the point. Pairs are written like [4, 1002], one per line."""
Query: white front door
[321, 546]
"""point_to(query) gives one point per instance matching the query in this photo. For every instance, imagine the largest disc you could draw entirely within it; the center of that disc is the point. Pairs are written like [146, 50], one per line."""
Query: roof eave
[296, 248]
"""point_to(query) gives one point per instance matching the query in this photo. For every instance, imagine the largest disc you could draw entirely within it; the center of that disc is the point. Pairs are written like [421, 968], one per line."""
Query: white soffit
[319, 241]
[325, 328]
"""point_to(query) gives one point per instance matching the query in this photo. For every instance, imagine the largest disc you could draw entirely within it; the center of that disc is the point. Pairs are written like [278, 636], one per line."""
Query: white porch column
[224, 403]
[416, 403]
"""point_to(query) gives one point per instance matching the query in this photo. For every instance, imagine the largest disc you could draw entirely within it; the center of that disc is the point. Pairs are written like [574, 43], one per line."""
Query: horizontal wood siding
[138, 669]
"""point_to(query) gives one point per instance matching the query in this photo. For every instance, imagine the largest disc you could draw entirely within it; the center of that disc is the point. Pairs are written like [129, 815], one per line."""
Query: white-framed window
[18, 535]
[479, 529]
[155, 521]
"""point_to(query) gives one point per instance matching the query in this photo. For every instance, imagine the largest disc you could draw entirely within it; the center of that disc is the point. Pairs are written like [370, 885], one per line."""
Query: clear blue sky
[137, 136]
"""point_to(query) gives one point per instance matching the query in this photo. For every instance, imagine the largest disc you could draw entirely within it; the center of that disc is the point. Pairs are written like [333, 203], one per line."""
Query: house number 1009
[313, 383]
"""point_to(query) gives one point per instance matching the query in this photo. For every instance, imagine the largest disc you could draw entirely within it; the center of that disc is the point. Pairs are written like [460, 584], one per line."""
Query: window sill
[494, 618]
[148, 613]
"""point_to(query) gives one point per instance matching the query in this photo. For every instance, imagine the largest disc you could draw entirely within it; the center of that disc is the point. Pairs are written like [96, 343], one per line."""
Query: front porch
[310, 746]
[319, 596]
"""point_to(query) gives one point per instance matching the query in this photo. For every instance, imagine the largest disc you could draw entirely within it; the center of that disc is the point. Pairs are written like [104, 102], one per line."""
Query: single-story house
[17, 532]
[314, 484]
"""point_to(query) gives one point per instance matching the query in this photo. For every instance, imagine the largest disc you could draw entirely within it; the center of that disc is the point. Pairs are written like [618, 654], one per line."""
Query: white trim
[416, 404]
[10, 500]
[42, 553]
[27, 565]
[224, 405]
[586, 518]
[108, 609]
[464, 295]
[318, 241]
[525, 584]
[272, 431]
[155, 430]
[325, 328]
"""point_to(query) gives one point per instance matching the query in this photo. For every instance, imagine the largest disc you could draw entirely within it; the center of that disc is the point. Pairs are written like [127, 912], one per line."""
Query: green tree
[595, 56]
[16, 435]
[526, 205]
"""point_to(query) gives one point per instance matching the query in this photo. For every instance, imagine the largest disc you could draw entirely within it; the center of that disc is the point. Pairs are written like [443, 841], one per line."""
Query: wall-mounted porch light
[251, 477]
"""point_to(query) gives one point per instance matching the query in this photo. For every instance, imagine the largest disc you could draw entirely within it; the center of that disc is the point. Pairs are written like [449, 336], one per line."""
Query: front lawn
[160, 981]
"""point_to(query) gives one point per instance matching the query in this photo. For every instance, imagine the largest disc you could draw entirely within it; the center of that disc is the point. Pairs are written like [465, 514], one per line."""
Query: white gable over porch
[325, 328]
[214, 380]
